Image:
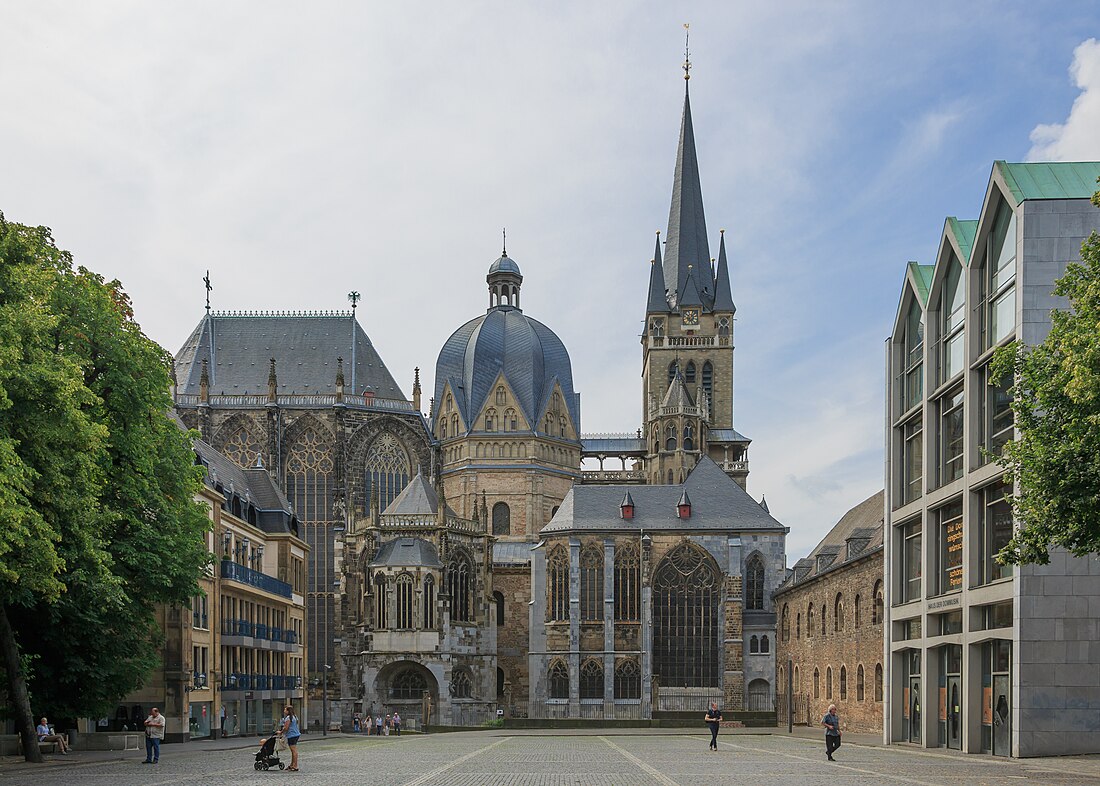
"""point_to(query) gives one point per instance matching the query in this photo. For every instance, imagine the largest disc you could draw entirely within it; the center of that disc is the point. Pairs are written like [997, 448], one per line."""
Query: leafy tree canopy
[97, 485]
[1056, 401]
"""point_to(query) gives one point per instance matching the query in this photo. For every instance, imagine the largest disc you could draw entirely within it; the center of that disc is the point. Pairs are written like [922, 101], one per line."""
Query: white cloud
[1078, 138]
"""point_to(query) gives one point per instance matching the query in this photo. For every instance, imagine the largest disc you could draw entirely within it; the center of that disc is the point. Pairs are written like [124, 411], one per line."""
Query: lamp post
[324, 700]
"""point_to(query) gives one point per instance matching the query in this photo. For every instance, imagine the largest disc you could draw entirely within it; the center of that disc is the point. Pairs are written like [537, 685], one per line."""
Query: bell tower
[687, 345]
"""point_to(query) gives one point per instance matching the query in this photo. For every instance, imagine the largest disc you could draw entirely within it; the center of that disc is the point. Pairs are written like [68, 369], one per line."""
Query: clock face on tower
[690, 317]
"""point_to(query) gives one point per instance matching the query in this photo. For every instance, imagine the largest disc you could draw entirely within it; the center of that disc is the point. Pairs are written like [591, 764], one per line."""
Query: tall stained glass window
[387, 470]
[686, 590]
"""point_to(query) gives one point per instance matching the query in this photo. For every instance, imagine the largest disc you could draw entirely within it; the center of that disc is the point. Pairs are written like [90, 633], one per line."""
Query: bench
[48, 747]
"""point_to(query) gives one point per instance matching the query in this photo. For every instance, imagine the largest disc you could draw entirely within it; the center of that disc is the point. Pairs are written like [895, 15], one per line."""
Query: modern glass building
[982, 657]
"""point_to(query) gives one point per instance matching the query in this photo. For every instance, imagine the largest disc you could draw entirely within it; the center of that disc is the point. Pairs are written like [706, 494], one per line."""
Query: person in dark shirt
[712, 719]
[832, 731]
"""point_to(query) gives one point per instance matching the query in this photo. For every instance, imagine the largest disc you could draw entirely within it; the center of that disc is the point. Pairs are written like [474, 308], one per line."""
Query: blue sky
[302, 152]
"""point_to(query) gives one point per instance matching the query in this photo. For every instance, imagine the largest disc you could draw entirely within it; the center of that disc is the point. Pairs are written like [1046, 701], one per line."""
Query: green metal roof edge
[1050, 179]
[963, 232]
[922, 277]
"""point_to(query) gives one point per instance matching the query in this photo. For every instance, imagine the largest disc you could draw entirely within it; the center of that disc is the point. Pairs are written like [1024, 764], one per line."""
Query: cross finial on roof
[687, 52]
[206, 281]
[504, 242]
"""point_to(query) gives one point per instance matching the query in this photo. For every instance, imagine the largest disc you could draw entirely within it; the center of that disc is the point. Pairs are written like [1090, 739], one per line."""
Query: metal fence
[799, 710]
[687, 699]
[586, 710]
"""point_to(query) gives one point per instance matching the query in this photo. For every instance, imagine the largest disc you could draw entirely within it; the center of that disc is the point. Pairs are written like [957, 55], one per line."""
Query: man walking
[154, 733]
[713, 718]
[832, 731]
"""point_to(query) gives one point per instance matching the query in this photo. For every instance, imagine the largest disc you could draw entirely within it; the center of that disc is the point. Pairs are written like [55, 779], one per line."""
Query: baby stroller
[266, 757]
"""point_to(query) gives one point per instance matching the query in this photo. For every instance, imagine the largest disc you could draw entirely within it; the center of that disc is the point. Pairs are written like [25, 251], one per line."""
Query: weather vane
[687, 51]
[504, 242]
[206, 281]
[354, 297]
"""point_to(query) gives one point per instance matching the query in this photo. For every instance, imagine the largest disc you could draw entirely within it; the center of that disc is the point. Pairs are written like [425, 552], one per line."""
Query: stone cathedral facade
[467, 560]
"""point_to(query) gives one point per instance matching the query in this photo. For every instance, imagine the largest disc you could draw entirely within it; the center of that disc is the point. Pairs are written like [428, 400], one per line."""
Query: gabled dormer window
[683, 507]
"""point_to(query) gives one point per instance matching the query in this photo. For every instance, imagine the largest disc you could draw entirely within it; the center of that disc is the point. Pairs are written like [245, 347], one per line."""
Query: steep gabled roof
[1050, 179]
[417, 499]
[963, 232]
[407, 553]
[723, 295]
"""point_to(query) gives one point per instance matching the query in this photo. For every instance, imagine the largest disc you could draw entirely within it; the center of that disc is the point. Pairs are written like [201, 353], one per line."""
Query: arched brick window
[754, 583]
[502, 519]
[592, 679]
[859, 683]
[558, 678]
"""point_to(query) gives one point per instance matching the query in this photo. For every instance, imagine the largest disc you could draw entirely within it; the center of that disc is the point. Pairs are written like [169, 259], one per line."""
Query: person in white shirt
[154, 733]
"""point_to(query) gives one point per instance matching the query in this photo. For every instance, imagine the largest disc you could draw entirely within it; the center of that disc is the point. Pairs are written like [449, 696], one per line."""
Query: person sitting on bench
[45, 734]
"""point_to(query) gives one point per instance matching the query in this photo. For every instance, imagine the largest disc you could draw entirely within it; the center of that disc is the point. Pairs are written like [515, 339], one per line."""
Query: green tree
[97, 487]
[1056, 402]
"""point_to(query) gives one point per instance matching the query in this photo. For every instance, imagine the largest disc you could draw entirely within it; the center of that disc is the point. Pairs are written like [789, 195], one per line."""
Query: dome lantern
[504, 280]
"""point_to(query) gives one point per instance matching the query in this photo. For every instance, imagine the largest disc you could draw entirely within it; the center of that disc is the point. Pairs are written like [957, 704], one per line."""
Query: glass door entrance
[997, 698]
[912, 698]
[950, 696]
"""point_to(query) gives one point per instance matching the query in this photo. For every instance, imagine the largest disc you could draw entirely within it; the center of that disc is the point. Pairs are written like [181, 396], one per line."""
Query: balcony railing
[252, 401]
[254, 578]
[241, 681]
[257, 630]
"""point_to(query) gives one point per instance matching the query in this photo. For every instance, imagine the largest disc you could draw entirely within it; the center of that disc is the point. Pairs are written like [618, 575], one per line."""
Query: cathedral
[470, 562]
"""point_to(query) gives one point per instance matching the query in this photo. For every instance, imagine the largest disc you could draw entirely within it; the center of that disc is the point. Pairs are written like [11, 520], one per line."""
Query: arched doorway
[759, 697]
[409, 688]
[686, 593]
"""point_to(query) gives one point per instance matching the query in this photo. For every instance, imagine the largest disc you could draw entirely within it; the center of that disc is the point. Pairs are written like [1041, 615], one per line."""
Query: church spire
[723, 296]
[686, 240]
[657, 300]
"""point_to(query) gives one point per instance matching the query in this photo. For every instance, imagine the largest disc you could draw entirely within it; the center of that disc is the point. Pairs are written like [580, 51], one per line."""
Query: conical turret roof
[686, 241]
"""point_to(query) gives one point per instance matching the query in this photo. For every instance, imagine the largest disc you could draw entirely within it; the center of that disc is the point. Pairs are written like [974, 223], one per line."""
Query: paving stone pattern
[501, 758]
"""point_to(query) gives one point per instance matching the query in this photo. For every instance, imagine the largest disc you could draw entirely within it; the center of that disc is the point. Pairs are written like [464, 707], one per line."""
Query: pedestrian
[290, 731]
[154, 733]
[713, 718]
[389, 720]
[396, 723]
[355, 723]
[45, 734]
[378, 725]
[224, 732]
[832, 731]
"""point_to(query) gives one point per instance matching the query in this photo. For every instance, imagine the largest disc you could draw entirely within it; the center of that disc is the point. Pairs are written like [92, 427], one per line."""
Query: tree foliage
[1055, 461]
[97, 484]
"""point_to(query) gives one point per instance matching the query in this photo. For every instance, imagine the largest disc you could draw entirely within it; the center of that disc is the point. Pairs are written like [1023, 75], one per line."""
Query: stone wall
[512, 637]
[849, 648]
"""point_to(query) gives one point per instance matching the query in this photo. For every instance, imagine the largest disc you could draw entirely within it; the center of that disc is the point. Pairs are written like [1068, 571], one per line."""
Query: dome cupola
[504, 280]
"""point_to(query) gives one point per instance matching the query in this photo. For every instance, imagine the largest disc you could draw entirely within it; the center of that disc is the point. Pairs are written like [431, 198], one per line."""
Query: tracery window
[380, 602]
[627, 583]
[461, 684]
[459, 585]
[559, 680]
[409, 685]
[724, 326]
[510, 420]
[501, 399]
[689, 373]
[491, 420]
[454, 425]
[557, 570]
[657, 328]
[628, 679]
[428, 600]
[754, 583]
[689, 437]
[670, 437]
[405, 602]
[387, 469]
[561, 423]
[502, 519]
[242, 447]
[309, 488]
[685, 618]
[443, 428]
[592, 679]
[591, 585]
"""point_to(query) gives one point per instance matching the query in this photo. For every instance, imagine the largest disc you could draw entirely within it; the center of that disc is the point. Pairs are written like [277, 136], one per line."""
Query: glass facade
[994, 531]
[949, 541]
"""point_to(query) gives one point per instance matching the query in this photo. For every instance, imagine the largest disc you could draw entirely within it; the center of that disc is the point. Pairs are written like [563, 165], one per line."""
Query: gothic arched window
[785, 624]
[878, 682]
[242, 447]
[686, 589]
[670, 436]
[838, 613]
[708, 382]
[405, 602]
[627, 583]
[557, 571]
[876, 611]
[689, 373]
[817, 684]
[559, 680]
[380, 602]
[671, 478]
[628, 679]
[498, 601]
[765, 644]
[724, 326]
[387, 470]
[500, 394]
[810, 622]
[409, 685]
[591, 585]
[828, 682]
[859, 683]
[689, 437]
[844, 683]
[427, 616]
[454, 425]
[461, 684]
[673, 368]
[561, 423]
[754, 645]
[855, 610]
[443, 428]
[460, 586]
[754, 583]
[510, 421]
[502, 519]
[309, 488]
[798, 625]
[491, 420]
[592, 679]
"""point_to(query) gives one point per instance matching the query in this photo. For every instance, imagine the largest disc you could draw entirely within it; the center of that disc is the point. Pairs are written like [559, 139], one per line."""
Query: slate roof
[511, 552]
[629, 444]
[862, 526]
[417, 498]
[726, 435]
[505, 339]
[717, 503]
[504, 264]
[407, 553]
[1050, 180]
[253, 485]
[238, 350]
[723, 296]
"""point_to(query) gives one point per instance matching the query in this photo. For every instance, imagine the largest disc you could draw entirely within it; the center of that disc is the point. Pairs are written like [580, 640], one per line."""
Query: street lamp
[324, 700]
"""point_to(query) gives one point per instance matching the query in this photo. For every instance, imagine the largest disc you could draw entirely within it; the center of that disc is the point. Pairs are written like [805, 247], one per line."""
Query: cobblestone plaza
[537, 758]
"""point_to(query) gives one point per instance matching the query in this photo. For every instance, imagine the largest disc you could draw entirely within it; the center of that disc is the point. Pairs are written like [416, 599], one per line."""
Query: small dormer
[683, 507]
[825, 558]
[626, 508]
